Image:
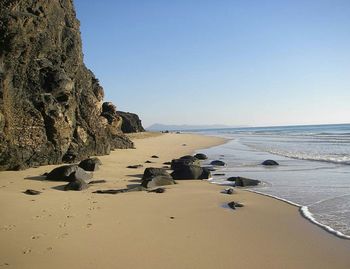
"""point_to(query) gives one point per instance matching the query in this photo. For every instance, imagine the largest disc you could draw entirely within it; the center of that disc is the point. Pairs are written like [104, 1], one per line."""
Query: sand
[185, 227]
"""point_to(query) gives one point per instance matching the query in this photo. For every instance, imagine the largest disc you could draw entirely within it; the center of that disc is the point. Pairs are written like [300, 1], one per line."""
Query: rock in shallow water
[270, 162]
[243, 181]
[218, 163]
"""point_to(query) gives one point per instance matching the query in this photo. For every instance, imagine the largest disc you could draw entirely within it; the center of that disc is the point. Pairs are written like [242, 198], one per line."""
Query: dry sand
[185, 227]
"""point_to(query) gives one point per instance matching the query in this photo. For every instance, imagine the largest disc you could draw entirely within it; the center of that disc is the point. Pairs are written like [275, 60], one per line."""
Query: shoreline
[306, 214]
[186, 227]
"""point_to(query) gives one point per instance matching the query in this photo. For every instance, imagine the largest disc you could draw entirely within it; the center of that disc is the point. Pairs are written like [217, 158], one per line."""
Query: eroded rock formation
[50, 103]
[131, 122]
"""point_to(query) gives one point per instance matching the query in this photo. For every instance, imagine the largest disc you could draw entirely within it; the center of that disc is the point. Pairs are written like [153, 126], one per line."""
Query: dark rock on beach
[50, 102]
[154, 156]
[244, 182]
[131, 123]
[90, 164]
[218, 163]
[270, 162]
[62, 173]
[189, 157]
[201, 156]
[135, 166]
[191, 172]
[180, 163]
[158, 181]
[157, 190]
[32, 192]
[113, 191]
[234, 205]
[68, 173]
[76, 185]
[97, 181]
[153, 177]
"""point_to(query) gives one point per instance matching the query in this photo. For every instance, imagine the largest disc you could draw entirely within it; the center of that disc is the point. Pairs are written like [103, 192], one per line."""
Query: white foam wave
[305, 212]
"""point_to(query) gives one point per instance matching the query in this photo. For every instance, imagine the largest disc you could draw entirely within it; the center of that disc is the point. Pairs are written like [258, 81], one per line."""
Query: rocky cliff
[50, 103]
[131, 122]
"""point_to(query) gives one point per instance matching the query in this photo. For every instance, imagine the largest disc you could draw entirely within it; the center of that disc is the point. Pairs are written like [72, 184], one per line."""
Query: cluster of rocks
[78, 176]
[51, 105]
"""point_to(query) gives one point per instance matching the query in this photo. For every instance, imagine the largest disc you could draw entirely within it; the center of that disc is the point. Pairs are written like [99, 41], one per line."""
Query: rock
[148, 161]
[111, 191]
[234, 205]
[62, 173]
[90, 164]
[152, 172]
[131, 123]
[189, 157]
[218, 163]
[76, 185]
[50, 102]
[135, 166]
[154, 156]
[158, 190]
[270, 162]
[80, 174]
[180, 163]
[161, 175]
[190, 172]
[244, 182]
[97, 181]
[228, 191]
[201, 156]
[32, 192]
[167, 163]
[219, 174]
[158, 181]
[68, 173]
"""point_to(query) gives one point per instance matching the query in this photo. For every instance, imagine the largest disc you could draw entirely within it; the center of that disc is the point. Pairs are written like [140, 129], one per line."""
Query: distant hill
[184, 127]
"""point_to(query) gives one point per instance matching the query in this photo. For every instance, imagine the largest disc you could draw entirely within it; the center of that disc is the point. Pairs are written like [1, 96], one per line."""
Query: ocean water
[314, 170]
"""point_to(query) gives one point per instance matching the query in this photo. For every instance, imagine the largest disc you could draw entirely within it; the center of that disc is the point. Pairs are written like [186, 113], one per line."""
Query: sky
[233, 62]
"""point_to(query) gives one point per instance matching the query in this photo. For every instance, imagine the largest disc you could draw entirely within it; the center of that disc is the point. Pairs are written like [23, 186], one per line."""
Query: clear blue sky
[235, 62]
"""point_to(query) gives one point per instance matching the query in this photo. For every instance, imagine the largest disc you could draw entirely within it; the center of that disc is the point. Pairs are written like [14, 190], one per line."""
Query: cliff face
[50, 103]
[131, 123]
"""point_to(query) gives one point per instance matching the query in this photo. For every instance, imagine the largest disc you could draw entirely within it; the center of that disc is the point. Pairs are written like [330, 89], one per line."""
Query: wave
[305, 212]
[335, 159]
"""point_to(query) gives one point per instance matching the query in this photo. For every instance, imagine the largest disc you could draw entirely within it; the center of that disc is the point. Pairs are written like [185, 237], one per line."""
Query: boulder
[131, 123]
[179, 163]
[62, 173]
[191, 172]
[135, 166]
[201, 156]
[68, 173]
[76, 185]
[158, 181]
[189, 157]
[218, 163]
[90, 164]
[244, 182]
[270, 162]
[152, 172]
[157, 190]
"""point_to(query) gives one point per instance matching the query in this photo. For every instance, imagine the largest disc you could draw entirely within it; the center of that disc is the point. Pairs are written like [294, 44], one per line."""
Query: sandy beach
[188, 226]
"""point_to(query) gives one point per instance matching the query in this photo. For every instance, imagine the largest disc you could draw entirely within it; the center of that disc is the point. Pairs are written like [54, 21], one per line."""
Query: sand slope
[185, 227]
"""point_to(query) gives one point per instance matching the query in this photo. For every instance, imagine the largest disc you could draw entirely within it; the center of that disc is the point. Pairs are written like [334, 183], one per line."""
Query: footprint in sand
[88, 225]
[26, 251]
[49, 249]
[37, 236]
[62, 236]
[8, 228]
[62, 225]
[66, 207]
[4, 264]
[69, 217]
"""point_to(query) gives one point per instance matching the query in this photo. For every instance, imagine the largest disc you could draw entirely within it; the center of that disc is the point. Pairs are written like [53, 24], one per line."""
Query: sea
[314, 170]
